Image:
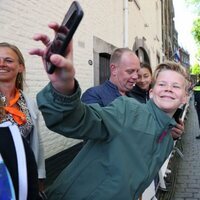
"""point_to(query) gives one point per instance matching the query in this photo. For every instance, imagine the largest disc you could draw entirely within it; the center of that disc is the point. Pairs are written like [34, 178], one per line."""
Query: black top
[139, 94]
[8, 153]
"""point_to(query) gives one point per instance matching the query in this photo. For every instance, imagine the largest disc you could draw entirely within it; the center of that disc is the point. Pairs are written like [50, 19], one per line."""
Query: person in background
[127, 141]
[141, 89]
[196, 90]
[124, 67]
[17, 107]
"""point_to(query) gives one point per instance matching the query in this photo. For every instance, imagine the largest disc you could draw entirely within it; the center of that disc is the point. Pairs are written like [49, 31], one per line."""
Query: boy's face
[169, 91]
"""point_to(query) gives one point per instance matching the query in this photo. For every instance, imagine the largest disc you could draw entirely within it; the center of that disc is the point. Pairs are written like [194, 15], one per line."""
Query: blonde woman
[16, 107]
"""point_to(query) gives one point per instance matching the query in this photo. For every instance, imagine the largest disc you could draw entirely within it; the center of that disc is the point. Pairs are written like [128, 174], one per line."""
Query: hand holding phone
[64, 34]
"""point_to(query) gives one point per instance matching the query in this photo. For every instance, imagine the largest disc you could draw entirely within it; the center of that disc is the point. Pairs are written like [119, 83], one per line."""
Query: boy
[128, 141]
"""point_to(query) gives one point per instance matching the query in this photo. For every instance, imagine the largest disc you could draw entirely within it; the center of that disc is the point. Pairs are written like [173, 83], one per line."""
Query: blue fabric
[103, 94]
[6, 186]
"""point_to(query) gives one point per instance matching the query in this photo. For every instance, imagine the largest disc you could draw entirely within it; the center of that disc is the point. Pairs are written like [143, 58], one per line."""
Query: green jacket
[128, 143]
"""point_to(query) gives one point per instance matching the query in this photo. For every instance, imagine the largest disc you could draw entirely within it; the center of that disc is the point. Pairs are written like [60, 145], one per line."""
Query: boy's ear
[184, 99]
[151, 93]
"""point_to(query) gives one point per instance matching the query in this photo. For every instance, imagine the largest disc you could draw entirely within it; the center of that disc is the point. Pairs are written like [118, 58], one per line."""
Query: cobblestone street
[187, 185]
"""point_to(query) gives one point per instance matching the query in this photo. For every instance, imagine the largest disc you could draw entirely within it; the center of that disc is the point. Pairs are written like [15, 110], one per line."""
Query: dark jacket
[114, 164]
[139, 94]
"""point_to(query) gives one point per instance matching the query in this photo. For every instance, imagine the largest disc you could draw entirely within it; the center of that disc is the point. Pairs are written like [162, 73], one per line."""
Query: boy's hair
[173, 66]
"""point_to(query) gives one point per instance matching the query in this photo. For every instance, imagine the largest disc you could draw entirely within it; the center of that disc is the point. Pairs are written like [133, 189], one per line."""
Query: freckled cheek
[157, 91]
[178, 93]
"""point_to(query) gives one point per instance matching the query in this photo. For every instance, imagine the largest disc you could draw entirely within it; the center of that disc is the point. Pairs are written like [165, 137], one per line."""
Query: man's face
[126, 72]
[169, 91]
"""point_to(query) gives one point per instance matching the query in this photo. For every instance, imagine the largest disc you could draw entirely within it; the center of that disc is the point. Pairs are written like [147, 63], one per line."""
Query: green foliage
[196, 30]
[197, 55]
[195, 5]
[195, 69]
[193, 1]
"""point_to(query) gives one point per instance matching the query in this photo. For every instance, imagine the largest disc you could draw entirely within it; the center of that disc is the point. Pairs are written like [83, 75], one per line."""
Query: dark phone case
[65, 34]
[177, 115]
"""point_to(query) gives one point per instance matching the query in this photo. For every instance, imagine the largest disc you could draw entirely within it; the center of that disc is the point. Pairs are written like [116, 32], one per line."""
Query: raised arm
[63, 77]
[60, 102]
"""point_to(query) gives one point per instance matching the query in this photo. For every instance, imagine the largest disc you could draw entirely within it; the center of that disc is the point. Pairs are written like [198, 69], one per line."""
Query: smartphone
[64, 35]
[178, 114]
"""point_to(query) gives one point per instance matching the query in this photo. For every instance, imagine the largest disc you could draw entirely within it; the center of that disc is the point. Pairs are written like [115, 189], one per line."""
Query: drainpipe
[125, 31]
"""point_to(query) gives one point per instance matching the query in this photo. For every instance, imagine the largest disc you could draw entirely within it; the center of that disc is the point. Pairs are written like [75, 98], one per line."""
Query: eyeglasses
[164, 84]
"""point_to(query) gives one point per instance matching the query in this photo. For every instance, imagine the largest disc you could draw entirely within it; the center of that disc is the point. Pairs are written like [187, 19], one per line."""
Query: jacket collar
[110, 84]
[161, 117]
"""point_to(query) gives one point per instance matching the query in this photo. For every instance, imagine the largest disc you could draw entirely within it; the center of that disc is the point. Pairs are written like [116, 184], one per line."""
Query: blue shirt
[103, 94]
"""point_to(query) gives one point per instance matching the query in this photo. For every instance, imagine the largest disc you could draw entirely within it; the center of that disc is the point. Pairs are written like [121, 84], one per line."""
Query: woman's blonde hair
[20, 76]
